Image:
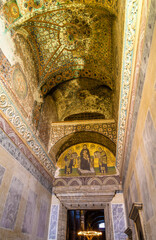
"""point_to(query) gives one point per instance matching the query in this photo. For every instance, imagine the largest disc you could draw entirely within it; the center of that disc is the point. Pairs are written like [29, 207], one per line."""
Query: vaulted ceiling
[63, 68]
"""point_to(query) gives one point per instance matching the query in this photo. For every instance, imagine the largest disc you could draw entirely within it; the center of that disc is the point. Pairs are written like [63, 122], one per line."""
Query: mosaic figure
[70, 161]
[102, 160]
[85, 158]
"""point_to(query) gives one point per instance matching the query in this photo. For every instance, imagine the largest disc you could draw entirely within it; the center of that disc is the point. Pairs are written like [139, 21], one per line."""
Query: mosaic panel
[86, 159]
[12, 204]
[42, 220]
[54, 222]
[149, 139]
[29, 213]
[21, 9]
[148, 208]
[2, 171]
[61, 40]
[119, 222]
[20, 157]
[82, 97]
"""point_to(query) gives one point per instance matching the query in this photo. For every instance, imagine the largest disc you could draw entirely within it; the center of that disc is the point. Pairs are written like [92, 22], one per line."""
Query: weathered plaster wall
[24, 202]
[140, 180]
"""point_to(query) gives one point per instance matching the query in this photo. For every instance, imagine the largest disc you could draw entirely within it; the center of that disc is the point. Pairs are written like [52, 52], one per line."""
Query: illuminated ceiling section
[73, 50]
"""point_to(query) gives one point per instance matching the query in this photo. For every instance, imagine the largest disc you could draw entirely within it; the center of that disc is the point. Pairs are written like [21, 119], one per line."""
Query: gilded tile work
[86, 159]
[105, 128]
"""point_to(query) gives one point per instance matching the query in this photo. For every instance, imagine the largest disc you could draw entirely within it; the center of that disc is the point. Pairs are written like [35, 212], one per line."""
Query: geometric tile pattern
[54, 222]
[129, 42]
[105, 128]
[119, 222]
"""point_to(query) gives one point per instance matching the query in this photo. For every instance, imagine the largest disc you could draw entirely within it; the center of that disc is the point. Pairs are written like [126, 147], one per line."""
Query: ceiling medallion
[69, 36]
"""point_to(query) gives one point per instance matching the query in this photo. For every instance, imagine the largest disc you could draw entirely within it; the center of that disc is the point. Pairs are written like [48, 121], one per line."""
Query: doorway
[79, 220]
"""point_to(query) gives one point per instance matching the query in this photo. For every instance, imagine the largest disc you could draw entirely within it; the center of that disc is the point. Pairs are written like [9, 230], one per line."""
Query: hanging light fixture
[89, 234]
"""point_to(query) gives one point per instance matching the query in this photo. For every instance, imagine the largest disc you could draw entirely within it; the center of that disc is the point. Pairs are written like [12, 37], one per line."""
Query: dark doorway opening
[79, 220]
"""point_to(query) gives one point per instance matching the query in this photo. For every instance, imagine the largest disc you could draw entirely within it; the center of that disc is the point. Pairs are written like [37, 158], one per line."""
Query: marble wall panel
[149, 139]
[42, 219]
[23, 160]
[53, 222]
[142, 74]
[134, 189]
[12, 204]
[119, 222]
[147, 203]
[2, 170]
[29, 213]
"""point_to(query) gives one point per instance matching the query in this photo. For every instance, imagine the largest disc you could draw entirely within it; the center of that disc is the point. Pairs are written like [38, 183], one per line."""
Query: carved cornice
[7, 107]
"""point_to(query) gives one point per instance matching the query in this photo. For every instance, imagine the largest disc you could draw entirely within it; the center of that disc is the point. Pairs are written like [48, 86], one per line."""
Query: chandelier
[89, 234]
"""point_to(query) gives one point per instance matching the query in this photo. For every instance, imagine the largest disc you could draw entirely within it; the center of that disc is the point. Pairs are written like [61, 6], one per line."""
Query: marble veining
[2, 170]
[119, 221]
[29, 213]
[12, 204]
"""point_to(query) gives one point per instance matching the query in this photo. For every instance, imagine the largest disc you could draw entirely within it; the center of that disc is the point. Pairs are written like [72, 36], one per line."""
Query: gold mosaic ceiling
[70, 41]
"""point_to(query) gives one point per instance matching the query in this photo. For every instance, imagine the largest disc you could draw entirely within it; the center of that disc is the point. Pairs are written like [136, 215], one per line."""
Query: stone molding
[8, 108]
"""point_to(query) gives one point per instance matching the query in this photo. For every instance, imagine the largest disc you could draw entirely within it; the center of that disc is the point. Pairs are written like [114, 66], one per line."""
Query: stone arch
[80, 137]
[94, 180]
[110, 181]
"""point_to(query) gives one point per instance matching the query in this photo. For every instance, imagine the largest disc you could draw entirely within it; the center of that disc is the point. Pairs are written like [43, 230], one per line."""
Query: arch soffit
[80, 137]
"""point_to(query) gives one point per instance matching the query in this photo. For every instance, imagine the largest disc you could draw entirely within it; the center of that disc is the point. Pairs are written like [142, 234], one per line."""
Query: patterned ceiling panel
[71, 42]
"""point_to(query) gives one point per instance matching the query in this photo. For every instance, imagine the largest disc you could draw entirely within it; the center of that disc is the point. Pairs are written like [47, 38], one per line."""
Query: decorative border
[81, 181]
[129, 42]
[49, 5]
[59, 130]
[22, 147]
[146, 34]
[18, 155]
[15, 118]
